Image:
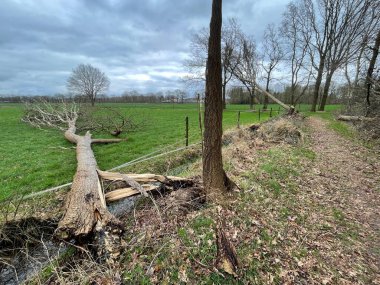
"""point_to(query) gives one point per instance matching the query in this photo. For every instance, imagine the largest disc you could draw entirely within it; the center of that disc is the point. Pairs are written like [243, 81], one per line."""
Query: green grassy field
[32, 159]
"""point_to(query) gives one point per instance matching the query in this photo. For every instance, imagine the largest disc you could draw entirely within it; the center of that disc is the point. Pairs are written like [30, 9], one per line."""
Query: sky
[139, 45]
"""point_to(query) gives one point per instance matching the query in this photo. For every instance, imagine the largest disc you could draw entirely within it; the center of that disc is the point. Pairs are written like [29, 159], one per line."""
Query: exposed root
[226, 258]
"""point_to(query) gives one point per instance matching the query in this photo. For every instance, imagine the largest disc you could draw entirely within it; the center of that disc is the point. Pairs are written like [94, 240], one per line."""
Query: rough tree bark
[371, 67]
[214, 176]
[318, 83]
[326, 89]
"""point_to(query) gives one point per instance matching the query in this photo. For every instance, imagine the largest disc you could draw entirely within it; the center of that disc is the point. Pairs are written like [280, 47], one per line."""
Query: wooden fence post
[200, 118]
[238, 120]
[259, 113]
[187, 130]
[270, 114]
[278, 110]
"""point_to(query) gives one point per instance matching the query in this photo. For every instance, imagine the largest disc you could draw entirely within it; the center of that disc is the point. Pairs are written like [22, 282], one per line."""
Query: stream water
[27, 262]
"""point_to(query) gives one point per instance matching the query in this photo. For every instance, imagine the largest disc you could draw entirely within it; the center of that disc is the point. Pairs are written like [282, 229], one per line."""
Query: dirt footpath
[344, 181]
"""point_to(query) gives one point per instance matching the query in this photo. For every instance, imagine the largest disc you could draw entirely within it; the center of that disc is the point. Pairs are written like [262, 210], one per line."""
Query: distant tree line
[171, 96]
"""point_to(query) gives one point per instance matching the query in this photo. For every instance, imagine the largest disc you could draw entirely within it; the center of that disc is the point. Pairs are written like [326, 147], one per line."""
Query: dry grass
[298, 219]
[281, 129]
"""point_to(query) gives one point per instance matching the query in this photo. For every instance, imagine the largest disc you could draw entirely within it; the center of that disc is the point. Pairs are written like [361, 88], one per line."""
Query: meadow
[32, 159]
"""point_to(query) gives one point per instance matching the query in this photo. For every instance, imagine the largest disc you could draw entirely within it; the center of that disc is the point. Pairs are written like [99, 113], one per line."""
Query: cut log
[354, 118]
[127, 192]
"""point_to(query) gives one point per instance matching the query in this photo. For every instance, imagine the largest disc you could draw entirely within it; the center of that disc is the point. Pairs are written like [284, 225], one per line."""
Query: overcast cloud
[140, 45]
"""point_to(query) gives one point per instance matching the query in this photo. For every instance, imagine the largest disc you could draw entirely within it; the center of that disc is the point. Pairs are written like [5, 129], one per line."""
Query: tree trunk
[326, 91]
[213, 173]
[251, 97]
[292, 95]
[266, 98]
[318, 82]
[371, 67]
[224, 94]
[85, 206]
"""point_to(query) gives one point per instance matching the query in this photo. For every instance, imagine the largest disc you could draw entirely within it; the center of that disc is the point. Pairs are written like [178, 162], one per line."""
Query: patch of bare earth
[344, 183]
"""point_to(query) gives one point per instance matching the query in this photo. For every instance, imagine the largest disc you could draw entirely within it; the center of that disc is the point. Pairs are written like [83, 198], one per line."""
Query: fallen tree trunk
[85, 206]
[354, 118]
[283, 105]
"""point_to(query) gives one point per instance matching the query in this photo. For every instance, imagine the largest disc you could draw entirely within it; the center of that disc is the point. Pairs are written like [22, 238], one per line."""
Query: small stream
[28, 261]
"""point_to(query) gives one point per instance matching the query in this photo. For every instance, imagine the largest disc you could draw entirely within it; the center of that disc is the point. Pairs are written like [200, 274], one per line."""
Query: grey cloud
[139, 44]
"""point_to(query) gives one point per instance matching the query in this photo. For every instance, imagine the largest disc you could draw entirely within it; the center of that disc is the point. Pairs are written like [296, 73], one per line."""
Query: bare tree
[330, 27]
[272, 55]
[349, 30]
[295, 53]
[196, 65]
[230, 56]
[247, 69]
[88, 81]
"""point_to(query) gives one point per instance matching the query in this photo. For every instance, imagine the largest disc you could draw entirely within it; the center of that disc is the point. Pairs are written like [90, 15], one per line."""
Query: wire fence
[153, 155]
[166, 150]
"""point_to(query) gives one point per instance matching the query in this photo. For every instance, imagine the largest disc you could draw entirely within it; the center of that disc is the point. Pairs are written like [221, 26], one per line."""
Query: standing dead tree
[272, 55]
[88, 81]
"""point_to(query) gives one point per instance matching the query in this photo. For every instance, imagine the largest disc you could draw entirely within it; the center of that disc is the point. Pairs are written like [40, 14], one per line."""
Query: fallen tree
[354, 118]
[85, 206]
[85, 211]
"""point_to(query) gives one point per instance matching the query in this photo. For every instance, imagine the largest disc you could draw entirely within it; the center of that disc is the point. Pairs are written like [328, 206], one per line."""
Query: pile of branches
[365, 117]
[281, 129]
[106, 119]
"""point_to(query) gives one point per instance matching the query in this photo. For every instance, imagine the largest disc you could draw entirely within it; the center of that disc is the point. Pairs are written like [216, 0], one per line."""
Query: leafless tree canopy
[196, 65]
[88, 81]
[272, 55]
[295, 51]
[331, 29]
[248, 68]
[43, 114]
